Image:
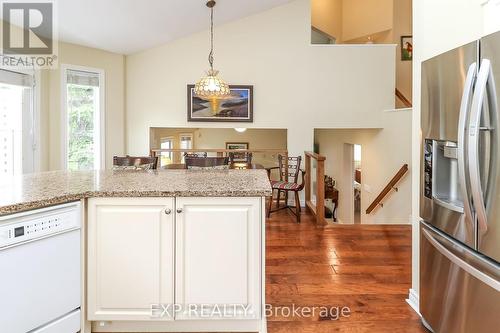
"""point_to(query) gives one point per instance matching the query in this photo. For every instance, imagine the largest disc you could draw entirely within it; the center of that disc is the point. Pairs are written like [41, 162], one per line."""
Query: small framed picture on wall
[406, 48]
[238, 156]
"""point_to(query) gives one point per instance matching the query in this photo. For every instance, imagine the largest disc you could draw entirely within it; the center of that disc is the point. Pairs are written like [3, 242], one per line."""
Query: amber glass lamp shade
[211, 86]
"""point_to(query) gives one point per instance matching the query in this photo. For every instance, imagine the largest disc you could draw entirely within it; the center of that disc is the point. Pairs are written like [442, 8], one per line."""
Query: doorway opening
[352, 181]
[356, 184]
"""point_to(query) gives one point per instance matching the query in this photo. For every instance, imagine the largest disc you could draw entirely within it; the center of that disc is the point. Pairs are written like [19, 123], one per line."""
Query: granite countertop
[43, 189]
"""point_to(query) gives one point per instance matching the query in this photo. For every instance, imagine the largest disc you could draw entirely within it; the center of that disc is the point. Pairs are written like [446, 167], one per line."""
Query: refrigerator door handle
[438, 245]
[462, 128]
[484, 77]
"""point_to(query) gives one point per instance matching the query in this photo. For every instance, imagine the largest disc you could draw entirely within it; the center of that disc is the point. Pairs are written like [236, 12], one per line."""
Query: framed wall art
[237, 107]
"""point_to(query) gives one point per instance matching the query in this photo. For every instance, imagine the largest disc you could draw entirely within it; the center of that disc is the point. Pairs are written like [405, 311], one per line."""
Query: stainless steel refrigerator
[460, 189]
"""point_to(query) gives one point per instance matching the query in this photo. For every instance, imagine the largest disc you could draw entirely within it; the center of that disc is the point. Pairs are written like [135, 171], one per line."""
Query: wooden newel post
[308, 181]
[320, 190]
[317, 207]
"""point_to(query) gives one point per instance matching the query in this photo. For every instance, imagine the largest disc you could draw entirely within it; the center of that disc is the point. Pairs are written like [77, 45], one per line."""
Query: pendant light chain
[211, 86]
[211, 54]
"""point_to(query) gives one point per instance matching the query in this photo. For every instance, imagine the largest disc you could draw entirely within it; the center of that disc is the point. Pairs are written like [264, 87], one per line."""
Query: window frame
[64, 112]
[35, 110]
[170, 154]
[186, 135]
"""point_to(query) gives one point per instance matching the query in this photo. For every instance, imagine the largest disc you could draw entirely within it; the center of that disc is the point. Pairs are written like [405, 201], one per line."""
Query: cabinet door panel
[130, 262]
[218, 256]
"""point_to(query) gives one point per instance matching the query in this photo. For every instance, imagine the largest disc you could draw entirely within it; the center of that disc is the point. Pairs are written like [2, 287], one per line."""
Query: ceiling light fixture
[211, 86]
[240, 129]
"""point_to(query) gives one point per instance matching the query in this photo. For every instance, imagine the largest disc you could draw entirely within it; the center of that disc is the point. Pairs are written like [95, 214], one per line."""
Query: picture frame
[238, 107]
[406, 48]
[238, 157]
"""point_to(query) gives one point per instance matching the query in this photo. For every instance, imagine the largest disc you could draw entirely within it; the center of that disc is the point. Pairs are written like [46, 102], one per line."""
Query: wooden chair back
[289, 168]
[206, 162]
[195, 154]
[246, 155]
[135, 161]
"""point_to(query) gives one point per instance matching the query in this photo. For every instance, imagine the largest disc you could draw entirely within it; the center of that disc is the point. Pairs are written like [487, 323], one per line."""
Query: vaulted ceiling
[129, 26]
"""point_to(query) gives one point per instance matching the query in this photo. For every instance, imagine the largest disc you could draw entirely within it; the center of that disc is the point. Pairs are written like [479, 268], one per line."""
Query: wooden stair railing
[388, 188]
[403, 98]
[317, 208]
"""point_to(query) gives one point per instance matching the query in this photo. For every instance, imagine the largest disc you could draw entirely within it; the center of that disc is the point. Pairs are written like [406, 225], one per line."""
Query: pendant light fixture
[211, 86]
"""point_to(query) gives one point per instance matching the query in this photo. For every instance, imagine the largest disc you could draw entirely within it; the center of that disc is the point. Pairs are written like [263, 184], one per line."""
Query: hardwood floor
[366, 268]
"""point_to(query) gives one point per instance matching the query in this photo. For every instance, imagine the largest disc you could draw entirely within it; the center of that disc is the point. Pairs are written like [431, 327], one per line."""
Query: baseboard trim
[385, 220]
[405, 109]
[412, 300]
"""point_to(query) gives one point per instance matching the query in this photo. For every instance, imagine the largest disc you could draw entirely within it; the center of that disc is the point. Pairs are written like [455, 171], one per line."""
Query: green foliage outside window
[81, 108]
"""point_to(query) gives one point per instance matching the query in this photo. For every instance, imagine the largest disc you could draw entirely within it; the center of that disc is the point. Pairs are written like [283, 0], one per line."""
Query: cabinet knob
[179, 210]
[168, 211]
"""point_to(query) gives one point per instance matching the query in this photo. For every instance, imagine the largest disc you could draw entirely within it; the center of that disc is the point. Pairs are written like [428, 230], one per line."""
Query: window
[83, 118]
[186, 142]
[166, 157]
[357, 156]
[17, 144]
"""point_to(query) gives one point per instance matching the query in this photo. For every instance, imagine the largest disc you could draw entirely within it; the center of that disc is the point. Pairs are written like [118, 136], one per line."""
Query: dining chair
[204, 154]
[195, 163]
[135, 162]
[289, 170]
[242, 157]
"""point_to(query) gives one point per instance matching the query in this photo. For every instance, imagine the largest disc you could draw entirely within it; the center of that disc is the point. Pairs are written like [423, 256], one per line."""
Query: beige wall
[296, 86]
[257, 138]
[362, 18]
[352, 21]
[380, 161]
[403, 27]
[113, 66]
[326, 15]
[49, 86]
[216, 138]
[438, 26]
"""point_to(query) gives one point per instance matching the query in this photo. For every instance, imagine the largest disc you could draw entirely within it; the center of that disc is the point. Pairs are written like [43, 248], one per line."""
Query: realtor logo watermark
[228, 311]
[29, 36]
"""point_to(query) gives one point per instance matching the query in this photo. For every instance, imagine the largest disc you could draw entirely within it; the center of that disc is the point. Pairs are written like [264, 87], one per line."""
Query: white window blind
[82, 78]
[16, 79]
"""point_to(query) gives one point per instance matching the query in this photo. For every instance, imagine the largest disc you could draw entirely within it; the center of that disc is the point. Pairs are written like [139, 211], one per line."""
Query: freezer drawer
[459, 290]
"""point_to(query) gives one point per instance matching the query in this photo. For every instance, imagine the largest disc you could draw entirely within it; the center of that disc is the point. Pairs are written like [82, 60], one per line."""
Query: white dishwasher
[40, 270]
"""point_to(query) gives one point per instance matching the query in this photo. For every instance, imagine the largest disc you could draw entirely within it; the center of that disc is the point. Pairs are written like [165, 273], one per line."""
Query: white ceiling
[129, 26]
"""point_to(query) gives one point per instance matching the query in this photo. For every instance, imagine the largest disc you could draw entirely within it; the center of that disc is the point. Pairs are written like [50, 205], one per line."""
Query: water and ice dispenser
[441, 182]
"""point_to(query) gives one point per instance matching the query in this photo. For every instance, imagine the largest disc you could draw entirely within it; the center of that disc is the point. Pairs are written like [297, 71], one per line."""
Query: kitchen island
[162, 251]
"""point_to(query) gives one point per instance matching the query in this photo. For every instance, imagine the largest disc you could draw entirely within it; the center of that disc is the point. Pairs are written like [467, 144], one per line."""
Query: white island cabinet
[182, 264]
[217, 258]
[130, 257]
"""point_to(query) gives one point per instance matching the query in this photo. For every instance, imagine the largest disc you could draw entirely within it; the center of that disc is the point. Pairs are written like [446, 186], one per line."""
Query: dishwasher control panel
[38, 223]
